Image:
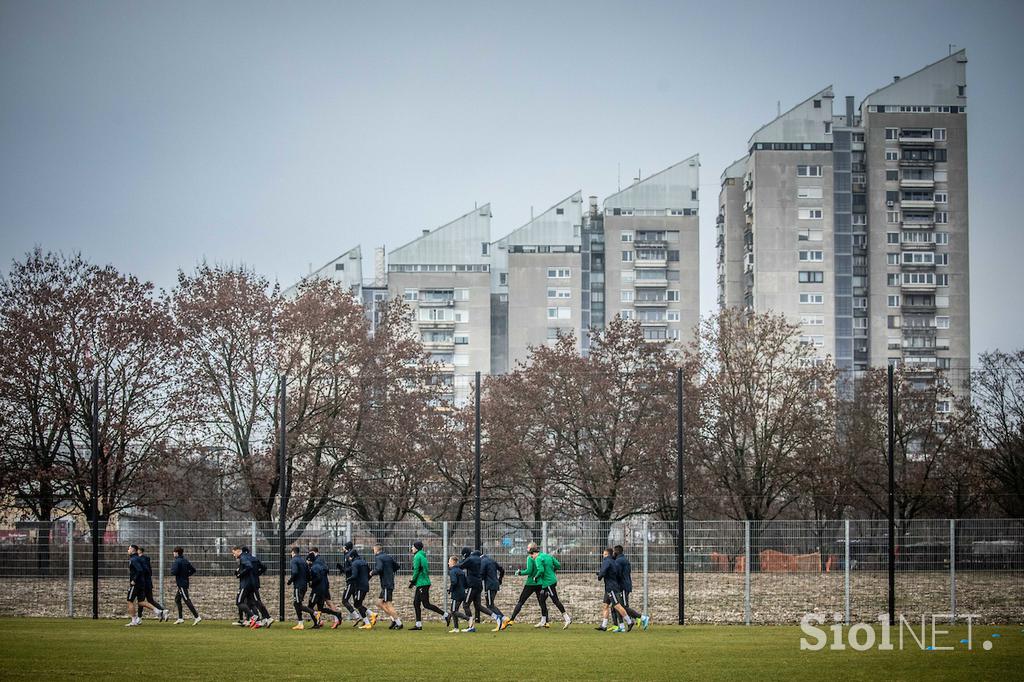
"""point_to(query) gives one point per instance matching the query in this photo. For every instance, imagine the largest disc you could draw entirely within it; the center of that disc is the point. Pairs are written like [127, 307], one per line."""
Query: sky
[279, 135]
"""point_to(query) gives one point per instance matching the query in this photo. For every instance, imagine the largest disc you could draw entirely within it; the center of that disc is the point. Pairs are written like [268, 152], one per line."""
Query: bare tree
[998, 387]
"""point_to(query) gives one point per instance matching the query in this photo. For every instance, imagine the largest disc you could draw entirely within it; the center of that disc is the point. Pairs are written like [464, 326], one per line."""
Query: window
[812, 299]
[942, 280]
[941, 176]
[626, 276]
[672, 316]
[892, 279]
[627, 296]
[627, 256]
[891, 197]
[828, 127]
[809, 235]
[892, 237]
[410, 294]
[942, 259]
[559, 313]
[461, 294]
[912, 278]
[808, 171]
[892, 217]
[942, 301]
[813, 340]
[817, 104]
[892, 321]
[809, 214]
[941, 217]
[559, 211]
[626, 236]
[860, 302]
[462, 339]
[673, 275]
[812, 320]
[894, 301]
[811, 277]
[892, 133]
[918, 258]
[627, 314]
[693, 195]
[485, 248]
[558, 273]
[941, 198]
[942, 322]
[808, 193]
[858, 137]
[559, 293]
[673, 256]
[892, 155]
[672, 295]
[892, 175]
[892, 259]
[811, 256]
[943, 406]
[942, 238]
[461, 316]
[503, 279]
[339, 266]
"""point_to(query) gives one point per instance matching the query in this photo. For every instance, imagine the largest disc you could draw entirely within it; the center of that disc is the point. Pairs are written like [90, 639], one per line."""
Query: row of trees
[189, 414]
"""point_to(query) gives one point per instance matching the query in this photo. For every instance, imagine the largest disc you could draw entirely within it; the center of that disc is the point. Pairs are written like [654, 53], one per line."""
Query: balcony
[915, 225]
[719, 219]
[919, 245]
[437, 302]
[439, 344]
[748, 207]
[657, 302]
[917, 183]
[653, 323]
[917, 286]
[650, 263]
[912, 137]
[912, 204]
[645, 243]
[650, 283]
[916, 163]
[436, 324]
[917, 307]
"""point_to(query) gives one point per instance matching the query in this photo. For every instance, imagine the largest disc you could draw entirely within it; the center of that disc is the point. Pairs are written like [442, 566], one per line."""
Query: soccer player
[161, 612]
[182, 569]
[493, 574]
[421, 583]
[530, 587]
[136, 586]
[625, 571]
[457, 586]
[359, 574]
[299, 580]
[245, 600]
[320, 585]
[318, 559]
[345, 568]
[609, 573]
[546, 567]
[259, 568]
[471, 564]
[385, 567]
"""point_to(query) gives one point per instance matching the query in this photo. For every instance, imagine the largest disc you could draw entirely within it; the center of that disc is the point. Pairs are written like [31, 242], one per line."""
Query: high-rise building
[856, 226]
[730, 230]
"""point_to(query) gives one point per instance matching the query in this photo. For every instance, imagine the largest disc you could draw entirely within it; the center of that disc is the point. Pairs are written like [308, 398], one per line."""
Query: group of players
[474, 581]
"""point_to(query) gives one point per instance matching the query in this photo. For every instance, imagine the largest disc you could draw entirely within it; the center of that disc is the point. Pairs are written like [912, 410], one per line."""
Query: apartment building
[730, 228]
[650, 243]
[856, 224]
[445, 277]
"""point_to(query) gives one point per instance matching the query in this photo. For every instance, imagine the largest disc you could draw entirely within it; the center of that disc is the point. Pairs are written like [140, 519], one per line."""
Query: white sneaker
[131, 623]
[197, 620]
[568, 620]
[165, 615]
[179, 621]
[270, 621]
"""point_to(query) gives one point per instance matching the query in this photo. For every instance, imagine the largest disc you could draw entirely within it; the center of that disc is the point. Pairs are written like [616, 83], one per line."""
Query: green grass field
[43, 648]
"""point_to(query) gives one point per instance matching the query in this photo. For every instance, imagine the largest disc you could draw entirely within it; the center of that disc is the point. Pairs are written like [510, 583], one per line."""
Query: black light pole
[476, 520]
[95, 505]
[892, 502]
[282, 473]
[680, 546]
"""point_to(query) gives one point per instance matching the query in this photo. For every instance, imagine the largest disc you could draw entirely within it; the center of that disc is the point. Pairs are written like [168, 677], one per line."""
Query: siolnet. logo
[865, 636]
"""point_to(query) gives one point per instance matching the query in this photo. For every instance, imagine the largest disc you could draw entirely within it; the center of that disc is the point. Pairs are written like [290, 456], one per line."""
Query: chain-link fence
[735, 572]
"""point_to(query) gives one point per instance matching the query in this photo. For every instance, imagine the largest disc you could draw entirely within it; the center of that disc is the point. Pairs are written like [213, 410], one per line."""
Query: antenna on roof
[778, 108]
[531, 212]
[618, 176]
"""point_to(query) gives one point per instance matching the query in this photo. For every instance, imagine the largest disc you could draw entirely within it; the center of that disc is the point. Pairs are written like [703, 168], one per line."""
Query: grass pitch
[36, 648]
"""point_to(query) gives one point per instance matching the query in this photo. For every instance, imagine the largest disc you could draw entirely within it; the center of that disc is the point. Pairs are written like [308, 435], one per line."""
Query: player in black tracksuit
[259, 569]
[161, 612]
[492, 573]
[471, 564]
[626, 579]
[385, 567]
[299, 580]
[610, 574]
[182, 570]
[359, 577]
[345, 568]
[320, 586]
[457, 591]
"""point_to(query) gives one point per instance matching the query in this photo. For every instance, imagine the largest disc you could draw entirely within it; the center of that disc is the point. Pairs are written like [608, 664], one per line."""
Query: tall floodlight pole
[94, 511]
[892, 500]
[282, 507]
[476, 520]
[680, 545]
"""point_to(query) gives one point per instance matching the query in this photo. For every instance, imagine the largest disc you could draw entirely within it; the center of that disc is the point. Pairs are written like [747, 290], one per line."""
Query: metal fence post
[846, 572]
[647, 573]
[71, 568]
[444, 552]
[348, 531]
[252, 537]
[952, 570]
[160, 568]
[746, 572]
[544, 536]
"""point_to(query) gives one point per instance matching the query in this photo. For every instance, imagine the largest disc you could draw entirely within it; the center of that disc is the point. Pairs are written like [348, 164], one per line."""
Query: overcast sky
[155, 135]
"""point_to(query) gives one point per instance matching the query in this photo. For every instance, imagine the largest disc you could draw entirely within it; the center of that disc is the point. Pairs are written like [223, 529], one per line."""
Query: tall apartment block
[649, 258]
[855, 225]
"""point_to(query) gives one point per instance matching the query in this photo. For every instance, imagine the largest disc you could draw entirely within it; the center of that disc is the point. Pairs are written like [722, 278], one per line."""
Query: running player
[182, 569]
[320, 586]
[360, 577]
[385, 567]
[421, 583]
[457, 586]
[161, 612]
[245, 573]
[609, 573]
[625, 571]
[299, 580]
[493, 574]
[546, 567]
[471, 564]
[345, 569]
[259, 568]
[136, 586]
[318, 559]
[530, 587]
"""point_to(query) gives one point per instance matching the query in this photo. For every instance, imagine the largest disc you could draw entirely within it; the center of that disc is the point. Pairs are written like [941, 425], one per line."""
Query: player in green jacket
[546, 567]
[532, 586]
[421, 583]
